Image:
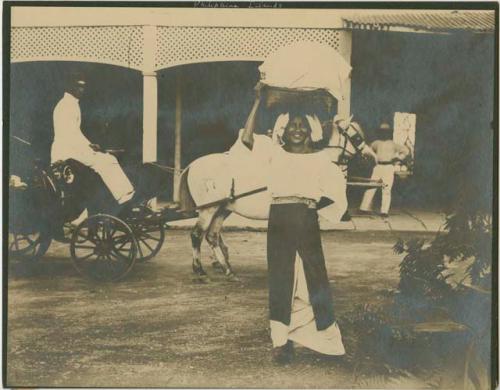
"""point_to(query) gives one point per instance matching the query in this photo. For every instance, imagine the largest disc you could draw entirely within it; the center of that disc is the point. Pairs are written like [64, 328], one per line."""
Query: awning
[432, 21]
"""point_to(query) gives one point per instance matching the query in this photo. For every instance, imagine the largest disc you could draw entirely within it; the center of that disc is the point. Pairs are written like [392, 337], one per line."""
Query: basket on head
[310, 100]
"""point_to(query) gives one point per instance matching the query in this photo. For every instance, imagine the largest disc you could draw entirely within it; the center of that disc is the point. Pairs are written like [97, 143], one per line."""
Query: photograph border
[469, 5]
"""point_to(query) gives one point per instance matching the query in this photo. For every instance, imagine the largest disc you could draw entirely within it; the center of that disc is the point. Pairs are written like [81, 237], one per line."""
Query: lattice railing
[179, 45]
[124, 45]
[118, 45]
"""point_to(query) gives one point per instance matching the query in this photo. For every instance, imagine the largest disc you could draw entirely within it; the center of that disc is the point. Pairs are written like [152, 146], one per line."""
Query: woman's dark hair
[301, 114]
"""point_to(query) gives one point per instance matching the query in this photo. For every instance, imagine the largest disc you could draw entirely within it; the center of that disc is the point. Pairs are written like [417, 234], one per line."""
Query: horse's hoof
[199, 271]
[217, 266]
[233, 278]
[200, 276]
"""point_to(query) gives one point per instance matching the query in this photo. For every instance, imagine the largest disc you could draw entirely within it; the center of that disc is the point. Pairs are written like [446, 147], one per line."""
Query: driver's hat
[76, 78]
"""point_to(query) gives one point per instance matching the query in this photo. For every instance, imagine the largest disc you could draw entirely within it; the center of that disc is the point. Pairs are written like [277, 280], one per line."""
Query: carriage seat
[72, 178]
[77, 186]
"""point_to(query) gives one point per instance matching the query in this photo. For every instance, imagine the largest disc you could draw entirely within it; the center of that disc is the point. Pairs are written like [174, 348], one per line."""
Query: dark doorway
[447, 80]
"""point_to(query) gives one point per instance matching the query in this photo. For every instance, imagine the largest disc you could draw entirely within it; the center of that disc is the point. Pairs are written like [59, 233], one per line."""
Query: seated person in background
[70, 143]
[388, 153]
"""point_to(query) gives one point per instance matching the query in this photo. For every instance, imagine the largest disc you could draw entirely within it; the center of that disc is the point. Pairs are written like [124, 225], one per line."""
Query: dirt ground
[161, 328]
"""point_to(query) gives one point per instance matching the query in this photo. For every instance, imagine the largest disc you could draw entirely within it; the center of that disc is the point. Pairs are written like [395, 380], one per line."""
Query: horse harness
[352, 136]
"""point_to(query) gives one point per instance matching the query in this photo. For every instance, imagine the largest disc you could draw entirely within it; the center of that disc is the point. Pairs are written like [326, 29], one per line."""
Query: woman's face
[297, 131]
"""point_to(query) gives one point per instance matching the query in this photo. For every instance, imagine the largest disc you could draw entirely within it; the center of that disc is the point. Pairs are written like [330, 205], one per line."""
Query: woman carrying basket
[300, 300]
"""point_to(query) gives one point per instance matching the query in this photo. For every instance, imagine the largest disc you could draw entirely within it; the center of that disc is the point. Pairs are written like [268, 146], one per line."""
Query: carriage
[105, 245]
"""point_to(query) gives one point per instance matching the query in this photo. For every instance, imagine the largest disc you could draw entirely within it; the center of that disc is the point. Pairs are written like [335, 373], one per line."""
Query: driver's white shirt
[69, 141]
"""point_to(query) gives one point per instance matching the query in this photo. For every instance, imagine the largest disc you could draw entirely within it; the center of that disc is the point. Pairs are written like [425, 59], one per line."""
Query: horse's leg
[224, 248]
[214, 240]
[225, 251]
[216, 228]
[203, 223]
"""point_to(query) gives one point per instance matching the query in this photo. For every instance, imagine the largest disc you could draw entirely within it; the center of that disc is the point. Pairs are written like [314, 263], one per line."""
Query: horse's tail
[186, 201]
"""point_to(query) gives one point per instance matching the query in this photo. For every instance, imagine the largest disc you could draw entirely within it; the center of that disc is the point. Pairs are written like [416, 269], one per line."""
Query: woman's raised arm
[247, 135]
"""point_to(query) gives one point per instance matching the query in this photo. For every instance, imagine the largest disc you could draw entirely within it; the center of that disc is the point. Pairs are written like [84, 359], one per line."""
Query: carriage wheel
[148, 230]
[103, 248]
[28, 246]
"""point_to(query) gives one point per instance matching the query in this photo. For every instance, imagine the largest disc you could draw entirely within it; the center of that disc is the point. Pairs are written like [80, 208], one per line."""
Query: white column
[149, 118]
[345, 49]
[178, 128]
[150, 99]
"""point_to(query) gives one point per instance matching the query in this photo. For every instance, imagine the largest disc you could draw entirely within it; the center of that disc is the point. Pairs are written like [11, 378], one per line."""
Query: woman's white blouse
[310, 175]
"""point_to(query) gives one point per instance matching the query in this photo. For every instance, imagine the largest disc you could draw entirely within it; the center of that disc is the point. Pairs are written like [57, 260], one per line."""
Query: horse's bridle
[356, 141]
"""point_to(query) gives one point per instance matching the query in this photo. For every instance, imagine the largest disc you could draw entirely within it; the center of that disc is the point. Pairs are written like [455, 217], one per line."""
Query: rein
[166, 168]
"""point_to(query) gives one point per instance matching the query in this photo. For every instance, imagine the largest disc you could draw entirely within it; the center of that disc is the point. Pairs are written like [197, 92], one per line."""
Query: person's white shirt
[310, 175]
[69, 141]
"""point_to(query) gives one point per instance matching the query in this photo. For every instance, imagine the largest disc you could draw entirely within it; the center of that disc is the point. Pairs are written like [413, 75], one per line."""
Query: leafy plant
[423, 269]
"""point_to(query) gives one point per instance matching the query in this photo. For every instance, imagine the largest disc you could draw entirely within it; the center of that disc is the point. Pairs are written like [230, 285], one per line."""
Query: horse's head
[357, 127]
[353, 132]
[347, 140]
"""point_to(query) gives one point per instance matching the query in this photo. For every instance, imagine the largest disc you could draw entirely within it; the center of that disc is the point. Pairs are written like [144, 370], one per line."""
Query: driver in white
[69, 142]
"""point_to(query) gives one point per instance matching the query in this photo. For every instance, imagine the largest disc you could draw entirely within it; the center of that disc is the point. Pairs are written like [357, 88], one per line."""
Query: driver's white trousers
[106, 166]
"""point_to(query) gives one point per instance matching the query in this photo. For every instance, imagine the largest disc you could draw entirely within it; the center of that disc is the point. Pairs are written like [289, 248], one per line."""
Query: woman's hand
[259, 89]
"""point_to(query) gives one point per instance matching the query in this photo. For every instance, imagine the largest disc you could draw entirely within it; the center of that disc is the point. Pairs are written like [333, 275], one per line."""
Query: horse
[212, 185]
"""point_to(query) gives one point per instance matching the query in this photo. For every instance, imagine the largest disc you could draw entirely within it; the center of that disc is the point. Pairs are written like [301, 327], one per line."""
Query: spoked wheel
[28, 246]
[103, 248]
[148, 230]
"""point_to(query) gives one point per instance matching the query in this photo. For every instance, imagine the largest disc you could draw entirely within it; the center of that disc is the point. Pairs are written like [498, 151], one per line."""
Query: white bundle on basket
[307, 66]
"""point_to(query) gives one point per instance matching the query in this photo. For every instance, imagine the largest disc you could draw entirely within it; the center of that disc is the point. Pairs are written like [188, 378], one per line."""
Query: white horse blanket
[240, 170]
